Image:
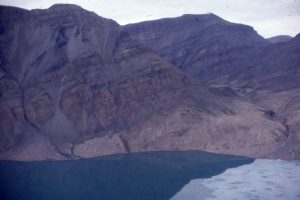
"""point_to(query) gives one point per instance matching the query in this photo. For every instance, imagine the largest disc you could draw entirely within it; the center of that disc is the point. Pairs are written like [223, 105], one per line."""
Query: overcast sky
[268, 17]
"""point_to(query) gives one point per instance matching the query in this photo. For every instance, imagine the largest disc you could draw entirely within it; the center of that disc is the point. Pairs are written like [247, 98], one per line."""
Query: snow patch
[262, 179]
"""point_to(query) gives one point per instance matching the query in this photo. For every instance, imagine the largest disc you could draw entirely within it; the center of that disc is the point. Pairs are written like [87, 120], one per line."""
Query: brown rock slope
[75, 85]
[277, 79]
[206, 47]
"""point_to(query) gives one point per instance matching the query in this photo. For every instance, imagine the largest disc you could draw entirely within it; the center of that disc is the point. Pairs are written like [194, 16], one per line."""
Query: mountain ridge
[76, 85]
[205, 48]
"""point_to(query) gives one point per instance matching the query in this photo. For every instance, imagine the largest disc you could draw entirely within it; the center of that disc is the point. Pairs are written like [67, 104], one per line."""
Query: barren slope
[74, 85]
[266, 72]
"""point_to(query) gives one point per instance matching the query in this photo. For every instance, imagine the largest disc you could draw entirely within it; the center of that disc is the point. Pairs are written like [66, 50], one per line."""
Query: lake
[152, 175]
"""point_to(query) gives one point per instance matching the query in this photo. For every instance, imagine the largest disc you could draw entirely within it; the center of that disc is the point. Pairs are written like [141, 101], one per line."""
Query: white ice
[262, 179]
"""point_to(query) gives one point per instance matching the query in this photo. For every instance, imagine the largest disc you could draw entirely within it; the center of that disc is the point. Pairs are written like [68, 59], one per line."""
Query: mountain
[277, 77]
[76, 85]
[280, 38]
[206, 47]
[278, 68]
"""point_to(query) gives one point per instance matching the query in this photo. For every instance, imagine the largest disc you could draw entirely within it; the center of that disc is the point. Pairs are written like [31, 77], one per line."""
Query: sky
[268, 17]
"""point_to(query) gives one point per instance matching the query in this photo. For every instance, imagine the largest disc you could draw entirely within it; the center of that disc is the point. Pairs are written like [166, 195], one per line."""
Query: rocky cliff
[76, 85]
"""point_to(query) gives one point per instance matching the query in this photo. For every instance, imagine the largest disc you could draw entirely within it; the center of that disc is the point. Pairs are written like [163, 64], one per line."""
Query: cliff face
[75, 85]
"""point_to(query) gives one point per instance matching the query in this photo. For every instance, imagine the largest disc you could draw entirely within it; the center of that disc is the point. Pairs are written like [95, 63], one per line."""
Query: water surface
[137, 176]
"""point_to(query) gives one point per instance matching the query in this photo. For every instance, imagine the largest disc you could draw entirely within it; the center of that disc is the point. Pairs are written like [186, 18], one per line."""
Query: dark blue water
[138, 176]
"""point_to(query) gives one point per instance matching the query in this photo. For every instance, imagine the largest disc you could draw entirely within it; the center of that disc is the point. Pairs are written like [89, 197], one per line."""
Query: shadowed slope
[204, 46]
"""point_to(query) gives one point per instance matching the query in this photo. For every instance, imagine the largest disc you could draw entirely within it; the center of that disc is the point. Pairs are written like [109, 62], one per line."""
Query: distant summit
[61, 6]
[280, 38]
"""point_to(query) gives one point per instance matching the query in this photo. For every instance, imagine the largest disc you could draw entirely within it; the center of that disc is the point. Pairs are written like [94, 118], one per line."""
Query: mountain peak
[203, 17]
[211, 15]
[280, 38]
[207, 17]
[61, 6]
